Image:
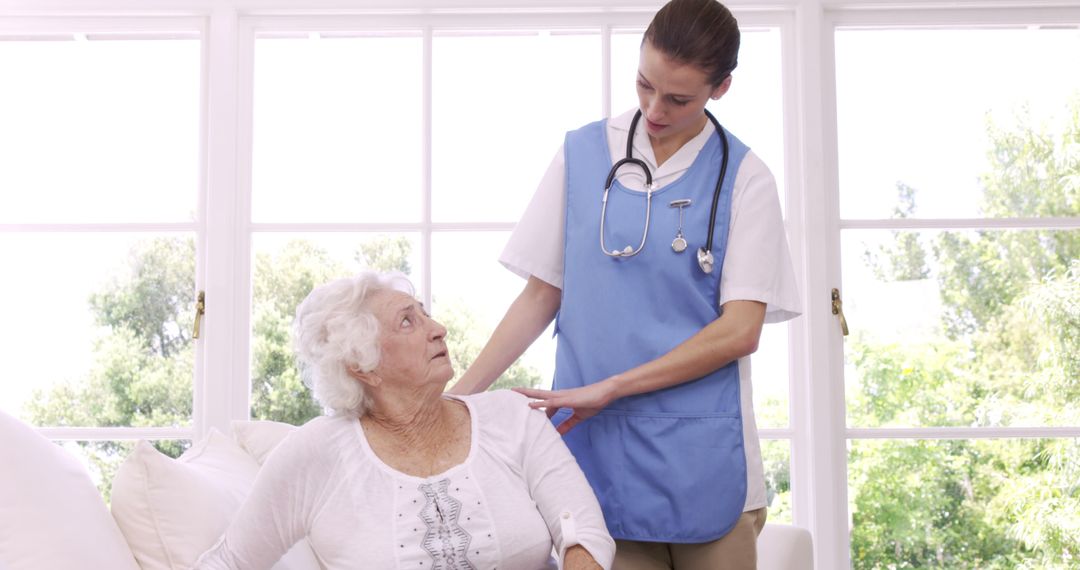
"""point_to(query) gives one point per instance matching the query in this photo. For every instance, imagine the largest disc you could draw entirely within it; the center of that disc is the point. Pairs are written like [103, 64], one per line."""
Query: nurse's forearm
[734, 335]
[526, 318]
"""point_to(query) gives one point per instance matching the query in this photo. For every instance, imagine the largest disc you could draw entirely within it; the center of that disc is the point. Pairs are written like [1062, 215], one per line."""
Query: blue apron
[667, 466]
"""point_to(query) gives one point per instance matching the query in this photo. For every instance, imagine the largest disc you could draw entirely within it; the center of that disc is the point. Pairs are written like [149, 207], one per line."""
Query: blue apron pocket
[663, 477]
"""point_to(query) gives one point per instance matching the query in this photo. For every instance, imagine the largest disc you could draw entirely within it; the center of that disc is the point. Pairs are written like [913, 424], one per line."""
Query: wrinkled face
[413, 344]
[672, 95]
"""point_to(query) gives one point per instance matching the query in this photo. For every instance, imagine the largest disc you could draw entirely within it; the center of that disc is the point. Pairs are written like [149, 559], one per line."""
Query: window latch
[200, 310]
[838, 309]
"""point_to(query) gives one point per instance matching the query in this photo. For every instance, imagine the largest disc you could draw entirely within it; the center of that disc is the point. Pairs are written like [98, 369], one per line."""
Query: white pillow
[51, 515]
[260, 437]
[173, 510]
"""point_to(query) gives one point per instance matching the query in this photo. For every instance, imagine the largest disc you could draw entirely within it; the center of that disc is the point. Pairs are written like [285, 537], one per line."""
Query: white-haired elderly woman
[401, 475]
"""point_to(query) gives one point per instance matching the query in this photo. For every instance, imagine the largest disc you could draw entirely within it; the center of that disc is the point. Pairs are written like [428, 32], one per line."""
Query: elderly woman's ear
[369, 378]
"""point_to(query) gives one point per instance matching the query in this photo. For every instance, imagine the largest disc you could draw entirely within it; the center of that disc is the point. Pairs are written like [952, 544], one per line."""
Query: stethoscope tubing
[719, 182]
[705, 259]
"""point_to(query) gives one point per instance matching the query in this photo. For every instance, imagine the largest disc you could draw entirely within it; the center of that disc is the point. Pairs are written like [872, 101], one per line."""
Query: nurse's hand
[584, 402]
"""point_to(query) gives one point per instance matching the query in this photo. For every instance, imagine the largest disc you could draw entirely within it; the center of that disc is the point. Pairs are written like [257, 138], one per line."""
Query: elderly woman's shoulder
[505, 404]
[497, 398]
[319, 433]
[322, 427]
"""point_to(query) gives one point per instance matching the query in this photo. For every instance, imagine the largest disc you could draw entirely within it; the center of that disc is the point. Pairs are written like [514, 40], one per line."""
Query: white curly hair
[334, 333]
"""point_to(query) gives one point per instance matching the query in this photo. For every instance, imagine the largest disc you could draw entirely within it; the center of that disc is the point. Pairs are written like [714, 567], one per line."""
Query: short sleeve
[535, 247]
[757, 264]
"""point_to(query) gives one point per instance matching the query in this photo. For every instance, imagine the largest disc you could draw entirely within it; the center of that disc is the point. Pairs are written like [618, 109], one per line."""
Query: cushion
[259, 438]
[173, 510]
[785, 547]
[51, 514]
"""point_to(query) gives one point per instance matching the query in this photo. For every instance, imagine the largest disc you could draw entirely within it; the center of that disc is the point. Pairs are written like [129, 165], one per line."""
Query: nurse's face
[672, 95]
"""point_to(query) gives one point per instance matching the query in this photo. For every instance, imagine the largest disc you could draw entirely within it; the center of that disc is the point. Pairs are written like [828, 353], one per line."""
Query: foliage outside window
[143, 360]
[1006, 352]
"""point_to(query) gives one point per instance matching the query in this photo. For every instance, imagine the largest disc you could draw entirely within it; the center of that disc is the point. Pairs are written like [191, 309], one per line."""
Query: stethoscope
[704, 254]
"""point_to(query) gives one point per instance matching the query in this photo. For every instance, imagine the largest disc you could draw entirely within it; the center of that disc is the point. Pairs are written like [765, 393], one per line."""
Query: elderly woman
[401, 475]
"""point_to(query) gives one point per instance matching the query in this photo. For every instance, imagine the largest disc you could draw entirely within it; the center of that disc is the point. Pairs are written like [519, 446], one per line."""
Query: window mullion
[951, 432]
[221, 391]
[113, 433]
[425, 162]
[819, 456]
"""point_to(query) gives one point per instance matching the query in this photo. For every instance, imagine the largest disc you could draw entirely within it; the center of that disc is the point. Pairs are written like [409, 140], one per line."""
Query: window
[960, 289]
[99, 199]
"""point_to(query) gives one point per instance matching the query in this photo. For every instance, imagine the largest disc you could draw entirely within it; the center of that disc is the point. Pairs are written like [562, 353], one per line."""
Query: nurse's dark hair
[702, 33]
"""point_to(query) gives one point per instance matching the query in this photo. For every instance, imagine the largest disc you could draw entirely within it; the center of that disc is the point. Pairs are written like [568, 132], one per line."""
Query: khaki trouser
[737, 550]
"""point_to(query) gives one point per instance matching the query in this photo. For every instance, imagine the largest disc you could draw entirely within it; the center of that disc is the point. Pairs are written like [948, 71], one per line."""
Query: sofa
[165, 511]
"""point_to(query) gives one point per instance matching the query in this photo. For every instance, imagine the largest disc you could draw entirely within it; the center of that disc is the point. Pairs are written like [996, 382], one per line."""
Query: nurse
[652, 380]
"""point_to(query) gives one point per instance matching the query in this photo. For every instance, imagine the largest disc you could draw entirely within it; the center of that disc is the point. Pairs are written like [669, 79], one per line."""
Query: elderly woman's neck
[414, 418]
[418, 436]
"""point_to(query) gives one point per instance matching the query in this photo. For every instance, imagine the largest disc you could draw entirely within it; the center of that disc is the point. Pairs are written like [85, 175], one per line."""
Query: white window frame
[817, 428]
[831, 532]
[123, 26]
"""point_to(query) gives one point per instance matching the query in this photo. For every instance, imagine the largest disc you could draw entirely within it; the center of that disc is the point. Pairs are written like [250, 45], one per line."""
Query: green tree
[1034, 172]
[905, 258]
[142, 371]
[1008, 352]
[143, 363]
[281, 281]
[916, 509]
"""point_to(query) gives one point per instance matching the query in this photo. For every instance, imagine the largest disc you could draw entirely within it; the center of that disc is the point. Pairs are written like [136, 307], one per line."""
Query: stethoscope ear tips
[624, 252]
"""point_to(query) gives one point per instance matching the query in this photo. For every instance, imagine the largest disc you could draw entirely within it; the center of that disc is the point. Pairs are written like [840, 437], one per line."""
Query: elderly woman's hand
[584, 402]
[577, 558]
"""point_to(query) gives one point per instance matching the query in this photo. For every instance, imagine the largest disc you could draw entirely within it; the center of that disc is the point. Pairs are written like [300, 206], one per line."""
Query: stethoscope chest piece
[705, 260]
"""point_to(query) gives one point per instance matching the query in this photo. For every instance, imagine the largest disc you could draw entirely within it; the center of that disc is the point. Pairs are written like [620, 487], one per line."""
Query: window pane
[964, 504]
[770, 375]
[99, 329]
[965, 328]
[286, 268]
[500, 107]
[938, 110]
[470, 293]
[99, 130]
[752, 109]
[776, 454]
[337, 133]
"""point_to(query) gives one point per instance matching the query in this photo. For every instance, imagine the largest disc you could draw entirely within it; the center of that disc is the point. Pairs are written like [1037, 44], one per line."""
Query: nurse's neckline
[663, 150]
